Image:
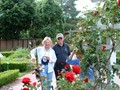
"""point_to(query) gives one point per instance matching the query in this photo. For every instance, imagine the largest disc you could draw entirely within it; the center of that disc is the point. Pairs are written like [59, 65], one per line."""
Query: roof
[73, 31]
[96, 0]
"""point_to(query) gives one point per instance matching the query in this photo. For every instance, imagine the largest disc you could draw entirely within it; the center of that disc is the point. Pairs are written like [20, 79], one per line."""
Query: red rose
[76, 69]
[95, 13]
[25, 89]
[34, 84]
[67, 66]
[86, 80]
[118, 2]
[70, 76]
[26, 80]
[59, 89]
[103, 48]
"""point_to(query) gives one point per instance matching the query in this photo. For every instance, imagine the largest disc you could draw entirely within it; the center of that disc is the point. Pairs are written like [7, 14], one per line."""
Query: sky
[80, 4]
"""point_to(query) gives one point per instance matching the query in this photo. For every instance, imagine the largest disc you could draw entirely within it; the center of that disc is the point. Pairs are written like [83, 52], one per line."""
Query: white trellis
[109, 46]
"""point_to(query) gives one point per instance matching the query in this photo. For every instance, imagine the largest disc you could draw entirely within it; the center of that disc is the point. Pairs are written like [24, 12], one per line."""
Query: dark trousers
[58, 68]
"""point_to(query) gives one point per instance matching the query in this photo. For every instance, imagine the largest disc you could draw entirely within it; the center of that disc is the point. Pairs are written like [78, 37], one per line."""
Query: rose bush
[97, 42]
[70, 80]
[28, 85]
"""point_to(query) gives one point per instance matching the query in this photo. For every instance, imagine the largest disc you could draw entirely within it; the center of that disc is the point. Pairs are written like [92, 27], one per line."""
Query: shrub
[7, 53]
[18, 60]
[8, 76]
[20, 53]
[22, 66]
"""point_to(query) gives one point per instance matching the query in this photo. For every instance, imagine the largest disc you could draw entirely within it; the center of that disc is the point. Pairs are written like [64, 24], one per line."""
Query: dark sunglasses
[60, 38]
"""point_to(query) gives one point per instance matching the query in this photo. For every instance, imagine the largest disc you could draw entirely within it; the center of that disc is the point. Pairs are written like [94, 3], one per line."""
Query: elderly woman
[46, 56]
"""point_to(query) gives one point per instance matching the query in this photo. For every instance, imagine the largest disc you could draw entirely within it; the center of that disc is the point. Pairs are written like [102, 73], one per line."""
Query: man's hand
[75, 50]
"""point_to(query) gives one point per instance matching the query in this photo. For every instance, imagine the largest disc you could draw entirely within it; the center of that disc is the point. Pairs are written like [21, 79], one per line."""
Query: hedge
[8, 76]
[7, 53]
[22, 66]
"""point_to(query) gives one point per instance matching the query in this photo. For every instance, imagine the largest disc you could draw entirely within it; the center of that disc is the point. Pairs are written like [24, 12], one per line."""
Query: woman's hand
[47, 57]
[33, 59]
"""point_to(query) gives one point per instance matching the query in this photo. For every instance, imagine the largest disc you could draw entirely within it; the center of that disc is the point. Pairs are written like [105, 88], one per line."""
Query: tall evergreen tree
[51, 16]
[15, 16]
[70, 13]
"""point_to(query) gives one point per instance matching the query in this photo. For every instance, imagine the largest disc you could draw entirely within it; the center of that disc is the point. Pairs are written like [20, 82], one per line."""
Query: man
[62, 52]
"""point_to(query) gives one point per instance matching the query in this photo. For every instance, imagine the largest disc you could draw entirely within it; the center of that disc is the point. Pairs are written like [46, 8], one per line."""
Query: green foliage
[68, 38]
[118, 53]
[16, 16]
[70, 14]
[118, 60]
[38, 42]
[91, 39]
[69, 80]
[51, 18]
[8, 76]
[20, 59]
[118, 57]
[8, 65]
[21, 53]
[7, 53]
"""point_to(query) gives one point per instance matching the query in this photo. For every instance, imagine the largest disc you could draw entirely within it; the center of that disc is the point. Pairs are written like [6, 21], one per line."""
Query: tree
[16, 16]
[70, 14]
[51, 17]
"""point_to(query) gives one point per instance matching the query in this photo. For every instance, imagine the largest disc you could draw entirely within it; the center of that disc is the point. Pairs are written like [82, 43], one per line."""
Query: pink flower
[34, 83]
[26, 80]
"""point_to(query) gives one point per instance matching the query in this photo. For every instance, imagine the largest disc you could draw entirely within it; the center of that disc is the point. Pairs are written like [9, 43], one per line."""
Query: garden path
[17, 84]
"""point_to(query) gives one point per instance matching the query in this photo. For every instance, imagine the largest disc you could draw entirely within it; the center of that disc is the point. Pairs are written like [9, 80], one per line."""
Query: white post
[112, 61]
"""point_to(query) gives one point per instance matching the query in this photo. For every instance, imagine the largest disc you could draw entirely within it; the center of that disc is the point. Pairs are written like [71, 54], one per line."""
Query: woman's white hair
[46, 38]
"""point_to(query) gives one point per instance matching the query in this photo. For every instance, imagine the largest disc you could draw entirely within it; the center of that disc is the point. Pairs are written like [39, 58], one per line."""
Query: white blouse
[42, 52]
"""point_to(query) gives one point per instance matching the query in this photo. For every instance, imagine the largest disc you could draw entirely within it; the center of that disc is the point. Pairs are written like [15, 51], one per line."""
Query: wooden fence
[7, 45]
